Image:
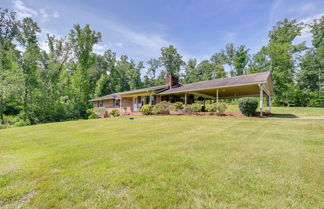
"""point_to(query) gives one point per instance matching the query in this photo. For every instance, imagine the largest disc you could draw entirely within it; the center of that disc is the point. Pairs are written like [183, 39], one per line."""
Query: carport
[252, 85]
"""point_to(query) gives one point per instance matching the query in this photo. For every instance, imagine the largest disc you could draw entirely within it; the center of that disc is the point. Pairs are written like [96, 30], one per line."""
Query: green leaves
[171, 60]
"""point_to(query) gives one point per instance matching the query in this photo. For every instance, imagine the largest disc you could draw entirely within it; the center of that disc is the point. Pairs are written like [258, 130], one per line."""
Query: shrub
[162, 108]
[114, 112]
[22, 123]
[178, 106]
[248, 106]
[193, 108]
[92, 114]
[213, 107]
[147, 109]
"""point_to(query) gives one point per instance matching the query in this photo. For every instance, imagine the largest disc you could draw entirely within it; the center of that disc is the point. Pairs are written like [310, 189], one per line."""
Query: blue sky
[140, 28]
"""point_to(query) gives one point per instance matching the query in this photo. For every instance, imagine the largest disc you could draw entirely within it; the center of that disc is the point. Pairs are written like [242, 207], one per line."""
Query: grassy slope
[164, 162]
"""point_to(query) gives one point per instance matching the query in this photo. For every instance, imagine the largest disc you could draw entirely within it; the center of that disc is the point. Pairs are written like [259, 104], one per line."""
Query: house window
[101, 103]
[147, 100]
[117, 103]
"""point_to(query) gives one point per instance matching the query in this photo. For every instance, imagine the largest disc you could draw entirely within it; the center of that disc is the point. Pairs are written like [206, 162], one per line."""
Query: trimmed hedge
[248, 106]
[147, 109]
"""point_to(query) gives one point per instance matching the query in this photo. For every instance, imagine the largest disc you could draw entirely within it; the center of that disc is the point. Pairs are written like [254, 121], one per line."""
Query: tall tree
[11, 79]
[150, 76]
[240, 60]
[311, 74]
[219, 59]
[281, 51]
[171, 60]
[260, 62]
[28, 39]
[190, 74]
[82, 40]
[103, 86]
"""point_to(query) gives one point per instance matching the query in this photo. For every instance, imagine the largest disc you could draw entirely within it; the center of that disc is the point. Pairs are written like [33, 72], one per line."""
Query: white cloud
[119, 44]
[151, 43]
[100, 48]
[306, 35]
[42, 38]
[44, 13]
[142, 43]
[309, 20]
[56, 14]
[22, 10]
[47, 13]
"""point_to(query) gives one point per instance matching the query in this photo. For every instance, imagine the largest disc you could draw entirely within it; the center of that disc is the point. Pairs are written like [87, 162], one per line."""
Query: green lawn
[164, 162]
[293, 111]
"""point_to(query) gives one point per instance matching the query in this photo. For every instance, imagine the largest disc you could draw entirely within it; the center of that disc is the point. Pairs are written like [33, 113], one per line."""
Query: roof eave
[218, 87]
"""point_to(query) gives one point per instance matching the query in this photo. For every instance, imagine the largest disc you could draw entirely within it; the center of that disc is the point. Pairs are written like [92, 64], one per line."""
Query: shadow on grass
[275, 115]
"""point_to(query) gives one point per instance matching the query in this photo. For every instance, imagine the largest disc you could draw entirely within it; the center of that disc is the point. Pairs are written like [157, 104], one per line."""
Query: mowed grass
[164, 162]
[288, 111]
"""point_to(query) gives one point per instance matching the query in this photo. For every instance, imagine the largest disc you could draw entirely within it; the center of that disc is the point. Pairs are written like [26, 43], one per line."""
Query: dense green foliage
[216, 107]
[177, 106]
[114, 113]
[191, 109]
[162, 108]
[248, 106]
[38, 85]
[147, 109]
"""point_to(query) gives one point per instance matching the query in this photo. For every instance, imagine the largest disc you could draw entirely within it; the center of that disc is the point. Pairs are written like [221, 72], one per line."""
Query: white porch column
[217, 99]
[150, 99]
[120, 105]
[270, 104]
[185, 98]
[261, 100]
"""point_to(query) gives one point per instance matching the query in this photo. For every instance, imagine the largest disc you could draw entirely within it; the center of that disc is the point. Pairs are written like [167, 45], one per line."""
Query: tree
[229, 55]
[281, 50]
[103, 87]
[11, 79]
[311, 74]
[260, 62]
[240, 60]
[219, 59]
[150, 77]
[28, 39]
[190, 74]
[134, 75]
[171, 60]
[82, 40]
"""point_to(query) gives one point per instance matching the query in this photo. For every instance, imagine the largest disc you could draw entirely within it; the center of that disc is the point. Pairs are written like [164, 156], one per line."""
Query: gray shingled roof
[222, 82]
[110, 96]
[255, 78]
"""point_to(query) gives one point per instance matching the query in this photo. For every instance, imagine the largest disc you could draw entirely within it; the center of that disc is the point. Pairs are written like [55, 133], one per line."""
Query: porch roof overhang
[233, 87]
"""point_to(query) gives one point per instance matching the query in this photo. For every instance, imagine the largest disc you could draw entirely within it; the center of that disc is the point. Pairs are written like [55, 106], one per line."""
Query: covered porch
[214, 95]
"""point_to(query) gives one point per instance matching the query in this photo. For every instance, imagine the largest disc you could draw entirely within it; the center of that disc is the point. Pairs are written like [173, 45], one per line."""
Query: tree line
[39, 85]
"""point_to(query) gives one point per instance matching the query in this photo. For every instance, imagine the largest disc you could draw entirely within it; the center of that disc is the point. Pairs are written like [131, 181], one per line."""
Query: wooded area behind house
[38, 85]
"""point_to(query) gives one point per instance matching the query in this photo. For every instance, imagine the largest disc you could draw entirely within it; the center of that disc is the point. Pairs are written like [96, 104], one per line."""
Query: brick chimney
[172, 80]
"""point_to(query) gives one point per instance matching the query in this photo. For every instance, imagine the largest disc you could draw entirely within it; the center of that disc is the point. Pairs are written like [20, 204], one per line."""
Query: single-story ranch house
[252, 85]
